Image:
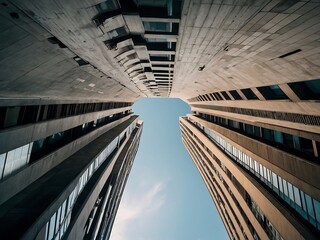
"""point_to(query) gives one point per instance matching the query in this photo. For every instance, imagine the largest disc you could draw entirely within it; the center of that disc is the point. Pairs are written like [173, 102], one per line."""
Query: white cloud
[137, 207]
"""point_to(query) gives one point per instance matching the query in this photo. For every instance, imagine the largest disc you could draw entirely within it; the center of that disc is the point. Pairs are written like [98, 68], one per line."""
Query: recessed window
[307, 90]
[218, 97]
[235, 95]
[226, 96]
[157, 26]
[273, 92]
[107, 6]
[249, 94]
[118, 32]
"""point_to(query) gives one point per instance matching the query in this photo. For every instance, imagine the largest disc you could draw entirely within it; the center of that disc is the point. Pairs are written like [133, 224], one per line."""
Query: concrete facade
[71, 70]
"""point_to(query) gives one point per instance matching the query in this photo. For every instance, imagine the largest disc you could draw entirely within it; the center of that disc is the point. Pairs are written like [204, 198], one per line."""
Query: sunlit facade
[260, 166]
[71, 70]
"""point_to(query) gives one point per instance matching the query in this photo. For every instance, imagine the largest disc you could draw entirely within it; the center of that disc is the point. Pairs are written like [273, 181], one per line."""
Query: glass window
[225, 95]
[296, 142]
[12, 116]
[285, 188]
[51, 227]
[249, 129]
[58, 218]
[297, 198]
[107, 6]
[306, 145]
[275, 181]
[267, 134]
[249, 94]
[273, 92]
[288, 140]
[118, 32]
[157, 26]
[278, 137]
[235, 95]
[307, 90]
[2, 161]
[316, 205]
[290, 191]
[310, 209]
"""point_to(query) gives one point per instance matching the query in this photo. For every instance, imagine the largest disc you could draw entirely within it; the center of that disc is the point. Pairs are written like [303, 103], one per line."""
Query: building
[64, 170]
[70, 71]
[257, 150]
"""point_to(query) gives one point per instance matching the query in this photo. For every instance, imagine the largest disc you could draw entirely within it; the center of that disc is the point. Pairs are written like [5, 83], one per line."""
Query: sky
[165, 197]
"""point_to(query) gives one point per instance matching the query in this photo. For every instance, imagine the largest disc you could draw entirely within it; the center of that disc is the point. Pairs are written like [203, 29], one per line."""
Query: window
[307, 90]
[107, 6]
[235, 95]
[225, 95]
[118, 32]
[157, 26]
[273, 92]
[249, 94]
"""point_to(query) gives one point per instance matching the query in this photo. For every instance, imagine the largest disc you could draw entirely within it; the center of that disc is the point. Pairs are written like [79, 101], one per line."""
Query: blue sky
[165, 197]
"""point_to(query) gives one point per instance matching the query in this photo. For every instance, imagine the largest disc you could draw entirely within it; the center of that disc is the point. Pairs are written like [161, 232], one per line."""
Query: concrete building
[70, 71]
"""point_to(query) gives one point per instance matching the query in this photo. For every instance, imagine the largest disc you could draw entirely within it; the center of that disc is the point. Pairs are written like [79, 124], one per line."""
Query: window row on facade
[14, 160]
[304, 90]
[283, 116]
[203, 162]
[60, 220]
[264, 222]
[292, 144]
[306, 207]
[20, 115]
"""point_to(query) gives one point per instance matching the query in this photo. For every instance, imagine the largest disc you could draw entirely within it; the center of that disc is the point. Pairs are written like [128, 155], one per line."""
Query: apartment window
[157, 26]
[235, 95]
[273, 92]
[107, 6]
[225, 95]
[218, 97]
[249, 94]
[118, 32]
[307, 90]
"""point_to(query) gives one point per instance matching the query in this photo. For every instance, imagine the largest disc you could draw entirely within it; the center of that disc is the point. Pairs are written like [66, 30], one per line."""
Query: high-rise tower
[70, 71]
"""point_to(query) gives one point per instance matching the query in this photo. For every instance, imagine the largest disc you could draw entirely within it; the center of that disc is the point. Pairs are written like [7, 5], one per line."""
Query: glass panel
[288, 140]
[296, 142]
[51, 227]
[249, 94]
[290, 192]
[297, 196]
[310, 209]
[278, 137]
[9, 163]
[273, 92]
[157, 26]
[2, 161]
[107, 6]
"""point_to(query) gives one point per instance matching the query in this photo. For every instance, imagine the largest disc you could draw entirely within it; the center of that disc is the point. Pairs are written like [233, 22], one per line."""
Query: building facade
[260, 159]
[64, 167]
[70, 71]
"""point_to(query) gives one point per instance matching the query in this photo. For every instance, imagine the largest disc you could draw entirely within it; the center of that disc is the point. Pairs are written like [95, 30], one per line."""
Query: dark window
[307, 90]
[267, 134]
[306, 145]
[107, 6]
[226, 96]
[118, 32]
[218, 97]
[288, 140]
[212, 96]
[273, 92]
[249, 129]
[235, 95]
[157, 26]
[249, 94]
